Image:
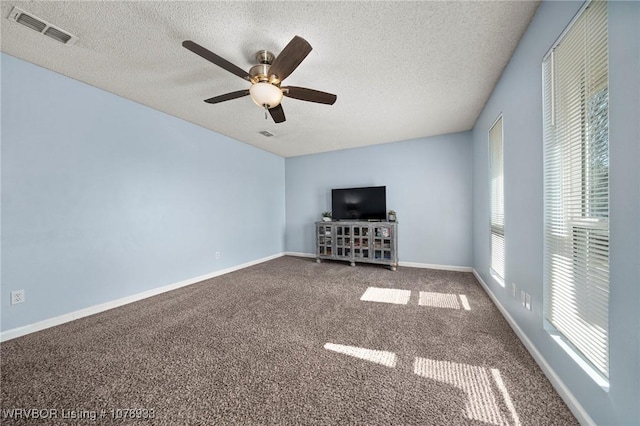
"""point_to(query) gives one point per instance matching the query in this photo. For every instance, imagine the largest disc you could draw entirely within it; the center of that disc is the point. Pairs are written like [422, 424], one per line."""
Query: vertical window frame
[497, 252]
[585, 227]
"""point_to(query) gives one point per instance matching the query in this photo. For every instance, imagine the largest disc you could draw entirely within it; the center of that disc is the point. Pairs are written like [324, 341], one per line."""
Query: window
[497, 200]
[576, 187]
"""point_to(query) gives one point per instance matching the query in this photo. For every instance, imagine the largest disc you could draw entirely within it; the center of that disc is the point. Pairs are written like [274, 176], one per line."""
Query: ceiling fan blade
[277, 113]
[227, 97]
[290, 57]
[219, 61]
[309, 95]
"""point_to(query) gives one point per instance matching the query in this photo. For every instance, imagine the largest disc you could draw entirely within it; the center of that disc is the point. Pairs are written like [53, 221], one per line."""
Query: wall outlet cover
[17, 297]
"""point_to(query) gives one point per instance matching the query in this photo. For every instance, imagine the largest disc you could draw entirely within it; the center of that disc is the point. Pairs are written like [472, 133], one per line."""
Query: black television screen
[368, 203]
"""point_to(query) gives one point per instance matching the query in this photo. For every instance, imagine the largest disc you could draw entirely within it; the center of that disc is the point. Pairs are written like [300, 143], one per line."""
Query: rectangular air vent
[30, 22]
[56, 34]
[41, 26]
[266, 133]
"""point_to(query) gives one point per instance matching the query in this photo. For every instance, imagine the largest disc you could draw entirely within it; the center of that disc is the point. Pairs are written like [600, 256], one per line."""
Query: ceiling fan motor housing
[260, 72]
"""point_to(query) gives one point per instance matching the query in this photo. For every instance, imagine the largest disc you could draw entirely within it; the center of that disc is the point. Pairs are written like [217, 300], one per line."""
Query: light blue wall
[518, 96]
[428, 184]
[104, 198]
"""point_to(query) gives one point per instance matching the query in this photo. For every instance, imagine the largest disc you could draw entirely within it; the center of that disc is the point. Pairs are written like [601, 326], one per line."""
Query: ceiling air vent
[41, 26]
[266, 133]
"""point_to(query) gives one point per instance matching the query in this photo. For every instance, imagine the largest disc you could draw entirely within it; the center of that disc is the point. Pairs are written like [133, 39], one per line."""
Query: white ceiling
[401, 70]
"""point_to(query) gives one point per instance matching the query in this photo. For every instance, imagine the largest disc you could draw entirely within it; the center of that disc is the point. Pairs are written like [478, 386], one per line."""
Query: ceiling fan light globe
[265, 95]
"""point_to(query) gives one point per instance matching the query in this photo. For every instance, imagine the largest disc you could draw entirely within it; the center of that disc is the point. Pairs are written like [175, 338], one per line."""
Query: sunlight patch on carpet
[438, 300]
[476, 382]
[465, 302]
[386, 295]
[385, 358]
[497, 377]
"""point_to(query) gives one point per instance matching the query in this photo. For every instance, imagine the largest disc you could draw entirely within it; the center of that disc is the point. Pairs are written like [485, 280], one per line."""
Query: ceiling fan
[266, 77]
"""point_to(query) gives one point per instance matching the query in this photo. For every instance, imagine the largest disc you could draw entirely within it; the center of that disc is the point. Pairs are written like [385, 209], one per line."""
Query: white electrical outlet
[217, 255]
[528, 301]
[513, 289]
[17, 297]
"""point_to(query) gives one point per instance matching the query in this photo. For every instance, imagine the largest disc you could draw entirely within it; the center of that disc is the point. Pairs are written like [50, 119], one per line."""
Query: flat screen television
[368, 203]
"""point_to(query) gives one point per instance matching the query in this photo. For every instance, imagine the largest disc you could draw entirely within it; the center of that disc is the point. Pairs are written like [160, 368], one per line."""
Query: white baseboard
[407, 264]
[434, 266]
[567, 396]
[299, 254]
[72, 316]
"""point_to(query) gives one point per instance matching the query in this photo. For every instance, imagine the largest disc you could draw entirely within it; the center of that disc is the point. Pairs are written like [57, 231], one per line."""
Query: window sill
[594, 374]
[497, 277]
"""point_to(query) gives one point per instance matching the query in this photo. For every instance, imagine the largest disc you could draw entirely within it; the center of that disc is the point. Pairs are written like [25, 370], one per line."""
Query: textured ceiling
[401, 70]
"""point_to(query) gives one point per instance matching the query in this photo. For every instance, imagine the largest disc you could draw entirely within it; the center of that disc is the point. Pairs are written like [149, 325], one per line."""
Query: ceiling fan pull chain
[265, 112]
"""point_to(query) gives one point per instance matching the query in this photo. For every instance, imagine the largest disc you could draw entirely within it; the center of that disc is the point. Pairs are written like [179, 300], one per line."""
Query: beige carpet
[288, 342]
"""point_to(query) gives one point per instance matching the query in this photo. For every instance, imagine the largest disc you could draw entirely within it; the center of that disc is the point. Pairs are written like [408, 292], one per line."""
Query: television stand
[358, 241]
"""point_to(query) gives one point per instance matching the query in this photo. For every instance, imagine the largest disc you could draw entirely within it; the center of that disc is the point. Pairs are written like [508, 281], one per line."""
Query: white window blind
[576, 186]
[497, 198]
